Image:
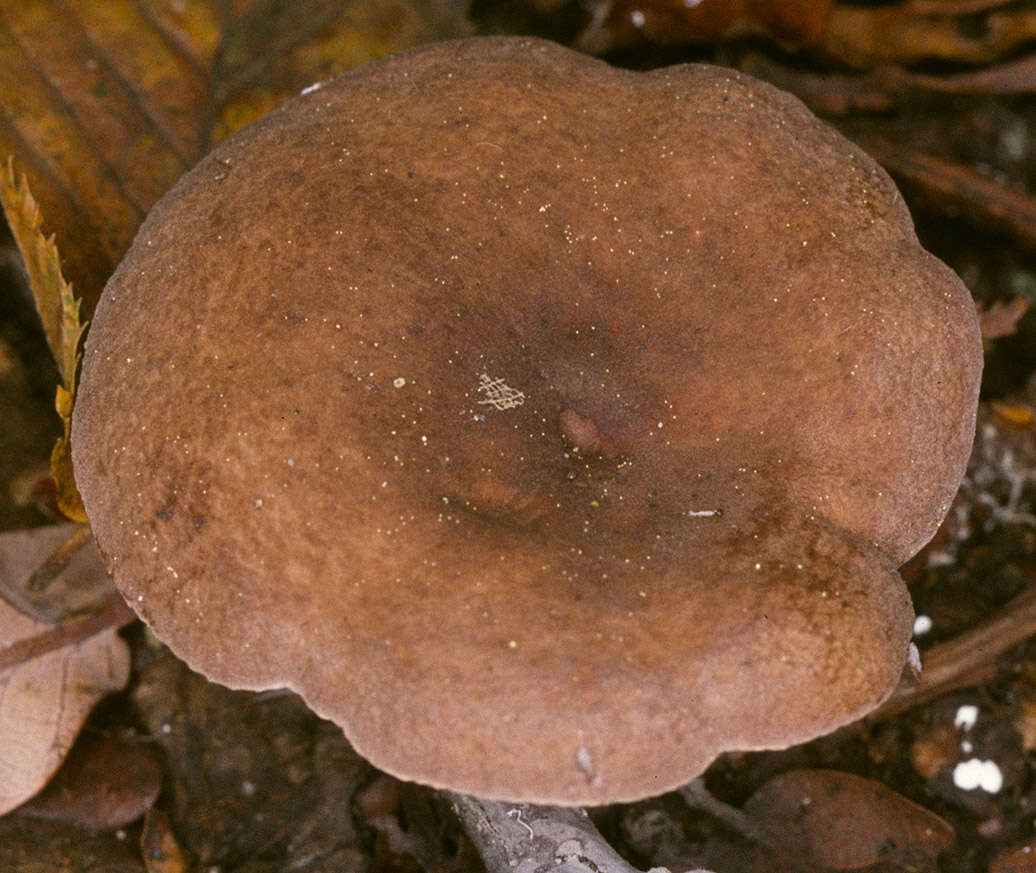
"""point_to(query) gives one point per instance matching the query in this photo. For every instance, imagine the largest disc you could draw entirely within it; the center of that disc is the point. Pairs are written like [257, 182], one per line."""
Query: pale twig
[538, 839]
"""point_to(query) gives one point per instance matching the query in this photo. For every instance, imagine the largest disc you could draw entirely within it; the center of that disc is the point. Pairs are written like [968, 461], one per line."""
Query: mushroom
[550, 427]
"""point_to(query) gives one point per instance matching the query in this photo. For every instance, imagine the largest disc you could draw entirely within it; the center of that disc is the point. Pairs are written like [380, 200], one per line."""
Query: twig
[114, 613]
[960, 190]
[538, 839]
[59, 560]
[1012, 77]
[43, 599]
[968, 659]
[698, 797]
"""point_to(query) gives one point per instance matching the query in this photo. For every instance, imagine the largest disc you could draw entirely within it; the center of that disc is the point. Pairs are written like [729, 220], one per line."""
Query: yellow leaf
[63, 402]
[68, 499]
[55, 302]
[1017, 414]
[59, 311]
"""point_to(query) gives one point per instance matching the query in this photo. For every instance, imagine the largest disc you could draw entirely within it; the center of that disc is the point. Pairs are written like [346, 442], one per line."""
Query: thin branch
[59, 559]
[959, 189]
[538, 839]
[114, 613]
[699, 798]
[968, 659]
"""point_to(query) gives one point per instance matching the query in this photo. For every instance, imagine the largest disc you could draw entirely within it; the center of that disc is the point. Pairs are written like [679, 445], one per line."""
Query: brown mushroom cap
[550, 427]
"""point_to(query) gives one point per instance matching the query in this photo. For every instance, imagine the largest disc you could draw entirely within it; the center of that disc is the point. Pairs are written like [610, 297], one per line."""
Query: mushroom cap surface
[550, 427]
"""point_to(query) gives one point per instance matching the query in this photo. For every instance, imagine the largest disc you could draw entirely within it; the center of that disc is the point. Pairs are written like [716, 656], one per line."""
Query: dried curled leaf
[49, 679]
[58, 309]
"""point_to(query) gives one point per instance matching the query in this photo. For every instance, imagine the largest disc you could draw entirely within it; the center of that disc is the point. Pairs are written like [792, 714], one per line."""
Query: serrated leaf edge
[60, 317]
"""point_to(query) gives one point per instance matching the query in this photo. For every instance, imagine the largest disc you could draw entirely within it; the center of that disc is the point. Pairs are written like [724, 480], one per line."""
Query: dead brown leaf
[844, 821]
[1019, 860]
[861, 35]
[106, 782]
[50, 678]
[56, 304]
[106, 104]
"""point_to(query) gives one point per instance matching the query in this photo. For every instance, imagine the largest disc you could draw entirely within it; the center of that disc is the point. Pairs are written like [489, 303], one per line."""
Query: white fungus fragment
[974, 773]
[914, 659]
[966, 716]
[922, 625]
